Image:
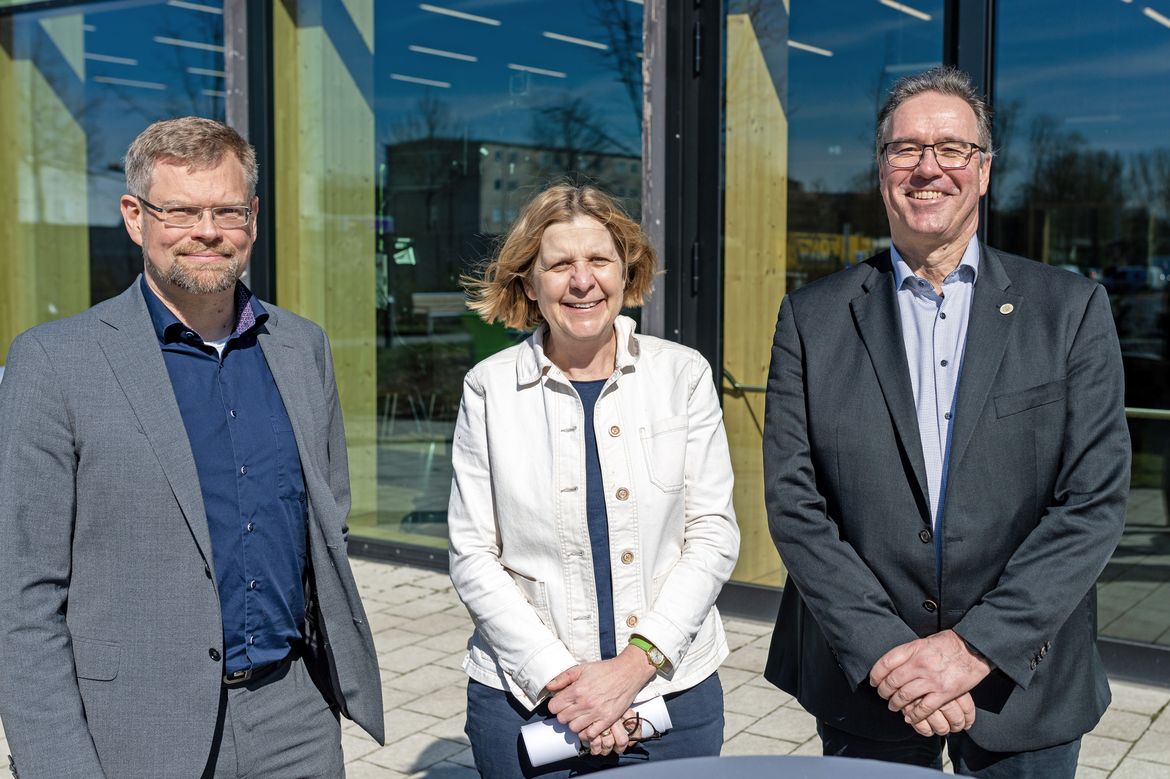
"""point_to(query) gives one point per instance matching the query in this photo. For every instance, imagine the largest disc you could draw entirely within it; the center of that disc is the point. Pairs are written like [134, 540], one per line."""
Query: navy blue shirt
[250, 476]
[598, 521]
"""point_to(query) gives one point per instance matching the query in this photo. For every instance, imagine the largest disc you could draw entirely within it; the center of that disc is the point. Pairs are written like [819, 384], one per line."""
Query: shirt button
[942, 316]
[924, 536]
[615, 431]
[627, 557]
[930, 606]
[213, 653]
[243, 470]
[250, 526]
[622, 493]
[947, 415]
[943, 363]
[232, 413]
[252, 585]
[251, 639]
[188, 334]
[631, 621]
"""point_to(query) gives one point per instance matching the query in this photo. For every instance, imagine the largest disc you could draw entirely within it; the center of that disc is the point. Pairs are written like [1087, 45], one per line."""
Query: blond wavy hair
[497, 293]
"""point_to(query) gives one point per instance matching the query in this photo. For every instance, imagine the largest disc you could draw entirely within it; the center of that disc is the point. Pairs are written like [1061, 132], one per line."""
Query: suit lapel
[132, 350]
[875, 312]
[988, 330]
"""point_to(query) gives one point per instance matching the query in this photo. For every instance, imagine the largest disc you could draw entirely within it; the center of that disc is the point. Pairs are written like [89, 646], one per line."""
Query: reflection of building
[447, 198]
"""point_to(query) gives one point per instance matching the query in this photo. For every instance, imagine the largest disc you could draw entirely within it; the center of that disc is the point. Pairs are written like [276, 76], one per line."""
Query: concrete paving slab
[1154, 748]
[447, 770]
[1124, 725]
[734, 722]
[1087, 772]
[1132, 768]
[442, 702]
[416, 752]
[1104, 753]
[795, 725]
[1143, 699]
[751, 744]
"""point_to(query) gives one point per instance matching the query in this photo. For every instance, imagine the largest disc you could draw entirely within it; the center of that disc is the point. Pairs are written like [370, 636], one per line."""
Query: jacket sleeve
[710, 533]
[1060, 560]
[41, 706]
[525, 647]
[852, 608]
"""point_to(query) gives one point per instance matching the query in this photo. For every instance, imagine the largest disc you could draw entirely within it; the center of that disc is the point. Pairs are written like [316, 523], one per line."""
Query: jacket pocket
[1015, 402]
[95, 659]
[536, 593]
[664, 448]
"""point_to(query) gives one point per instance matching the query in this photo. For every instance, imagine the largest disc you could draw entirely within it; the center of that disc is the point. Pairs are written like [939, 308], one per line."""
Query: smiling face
[930, 208]
[200, 260]
[578, 282]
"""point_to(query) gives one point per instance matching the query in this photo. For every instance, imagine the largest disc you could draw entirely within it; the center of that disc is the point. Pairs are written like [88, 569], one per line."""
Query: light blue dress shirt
[934, 333]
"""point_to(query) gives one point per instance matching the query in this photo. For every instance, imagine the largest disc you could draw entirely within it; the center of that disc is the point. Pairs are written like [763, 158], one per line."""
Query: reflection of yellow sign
[832, 248]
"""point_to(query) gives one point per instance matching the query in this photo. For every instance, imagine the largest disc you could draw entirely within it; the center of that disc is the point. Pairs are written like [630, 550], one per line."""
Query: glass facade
[78, 83]
[406, 136]
[1082, 181]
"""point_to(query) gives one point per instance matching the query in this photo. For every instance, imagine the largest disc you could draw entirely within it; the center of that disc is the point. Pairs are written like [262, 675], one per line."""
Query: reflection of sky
[130, 79]
[1099, 68]
[833, 101]
[488, 100]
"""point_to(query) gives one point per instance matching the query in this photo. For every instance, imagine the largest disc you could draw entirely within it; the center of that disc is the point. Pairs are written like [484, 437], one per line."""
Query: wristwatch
[657, 659]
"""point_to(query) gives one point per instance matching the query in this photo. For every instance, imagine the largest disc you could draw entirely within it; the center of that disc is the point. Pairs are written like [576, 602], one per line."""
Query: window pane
[1082, 180]
[77, 85]
[802, 92]
[474, 113]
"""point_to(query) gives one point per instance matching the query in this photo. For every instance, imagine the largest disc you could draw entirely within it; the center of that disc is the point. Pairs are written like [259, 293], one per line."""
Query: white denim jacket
[520, 553]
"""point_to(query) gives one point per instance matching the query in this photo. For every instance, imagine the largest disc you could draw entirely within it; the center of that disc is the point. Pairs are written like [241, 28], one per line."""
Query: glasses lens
[182, 216]
[230, 216]
[903, 155]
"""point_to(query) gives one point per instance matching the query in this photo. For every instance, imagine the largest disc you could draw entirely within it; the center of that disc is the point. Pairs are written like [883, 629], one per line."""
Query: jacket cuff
[540, 668]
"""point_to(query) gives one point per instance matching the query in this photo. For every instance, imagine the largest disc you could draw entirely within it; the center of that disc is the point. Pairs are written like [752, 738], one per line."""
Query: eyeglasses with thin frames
[636, 729]
[950, 155]
[223, 217]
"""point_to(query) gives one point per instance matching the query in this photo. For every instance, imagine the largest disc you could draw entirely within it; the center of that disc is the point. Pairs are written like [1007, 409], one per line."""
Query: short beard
[197, 281]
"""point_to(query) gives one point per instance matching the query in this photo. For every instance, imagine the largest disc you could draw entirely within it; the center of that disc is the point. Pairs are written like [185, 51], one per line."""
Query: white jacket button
[622, 493]
[632, 621]
[627, 557]
[615, 431]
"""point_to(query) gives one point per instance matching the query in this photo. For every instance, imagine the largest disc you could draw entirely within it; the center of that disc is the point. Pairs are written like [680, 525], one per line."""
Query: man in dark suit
[947, 464]
[176, 599]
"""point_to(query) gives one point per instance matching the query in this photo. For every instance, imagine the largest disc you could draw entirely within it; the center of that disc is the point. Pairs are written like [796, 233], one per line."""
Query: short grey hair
[945, 80]
[194, 141]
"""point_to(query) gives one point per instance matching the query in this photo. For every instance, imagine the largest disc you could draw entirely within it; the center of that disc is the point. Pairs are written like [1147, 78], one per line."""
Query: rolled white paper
[548, 740]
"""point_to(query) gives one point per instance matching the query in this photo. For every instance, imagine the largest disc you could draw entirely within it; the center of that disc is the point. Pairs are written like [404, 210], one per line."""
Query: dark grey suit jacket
[1035, 503]
[110, 627]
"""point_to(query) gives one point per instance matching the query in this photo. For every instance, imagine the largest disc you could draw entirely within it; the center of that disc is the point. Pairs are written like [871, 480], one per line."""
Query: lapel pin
[1006, 308]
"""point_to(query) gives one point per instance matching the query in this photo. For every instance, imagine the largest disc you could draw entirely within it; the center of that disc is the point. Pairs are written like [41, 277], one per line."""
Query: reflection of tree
[569, 124]
[431, 119]
[622, 22]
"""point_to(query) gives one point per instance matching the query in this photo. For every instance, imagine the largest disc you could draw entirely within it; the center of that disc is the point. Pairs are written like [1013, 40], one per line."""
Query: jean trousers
[494, 718]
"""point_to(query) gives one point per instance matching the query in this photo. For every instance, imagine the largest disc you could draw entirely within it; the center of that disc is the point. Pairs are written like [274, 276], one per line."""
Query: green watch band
[657, 659]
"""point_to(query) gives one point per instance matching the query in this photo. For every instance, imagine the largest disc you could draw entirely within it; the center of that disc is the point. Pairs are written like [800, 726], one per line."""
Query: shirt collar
[250, 314]
[970, 260]
[532, 362]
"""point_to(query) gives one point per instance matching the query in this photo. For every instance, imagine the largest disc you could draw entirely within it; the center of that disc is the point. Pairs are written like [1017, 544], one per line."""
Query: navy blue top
[250, 476]
[598, 521]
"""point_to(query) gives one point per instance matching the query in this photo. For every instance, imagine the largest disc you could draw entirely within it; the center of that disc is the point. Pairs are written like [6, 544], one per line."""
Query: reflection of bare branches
[568, 123]
[431, 119]
[622, 22]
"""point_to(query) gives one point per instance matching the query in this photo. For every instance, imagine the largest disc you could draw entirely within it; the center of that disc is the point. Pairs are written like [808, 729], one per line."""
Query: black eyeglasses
[948, 154]
[224, 217]
[634, 726]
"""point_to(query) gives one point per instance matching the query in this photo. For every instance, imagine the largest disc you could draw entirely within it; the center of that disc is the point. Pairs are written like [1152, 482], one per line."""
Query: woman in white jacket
[591, 522]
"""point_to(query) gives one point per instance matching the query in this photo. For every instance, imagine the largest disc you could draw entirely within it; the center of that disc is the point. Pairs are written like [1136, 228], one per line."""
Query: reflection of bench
[438, 305]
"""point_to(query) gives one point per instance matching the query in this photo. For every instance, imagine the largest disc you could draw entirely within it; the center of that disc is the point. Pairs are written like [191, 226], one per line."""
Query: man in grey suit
[175, 597]
[947, 465]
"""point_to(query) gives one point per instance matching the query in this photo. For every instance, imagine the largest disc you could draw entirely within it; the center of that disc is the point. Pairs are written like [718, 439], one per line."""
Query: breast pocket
[95, 659]
[664, 447]
[1041, 395]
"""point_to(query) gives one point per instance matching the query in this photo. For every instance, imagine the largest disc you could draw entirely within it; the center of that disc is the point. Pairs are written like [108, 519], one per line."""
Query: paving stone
[393, 638]
[447, 770]
[407, 658]
[401, 723]
[355, 746]
[362, 770]
[1104, 753]
[731, 678]
[443, 622]
[1124, 725]
[748, 658]
[452, 640]
[451, 728]
[1087, 772]
[788, 724]
[442, 702]
[747, 626]
[734, 722]
[1142, 699]
[1153, 747]
[453, 660]
[464, 758]
[1132, 768]
[752, 744]
[810, 748]
[736, 639]
[392, 697]
[753, 700]
[1161, 723]
[381, 620]
[429, 678]
[416, 752]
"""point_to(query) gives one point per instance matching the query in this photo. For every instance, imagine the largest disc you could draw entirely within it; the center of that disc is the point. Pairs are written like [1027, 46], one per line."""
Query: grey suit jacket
[1035, 503]
[110, 627]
